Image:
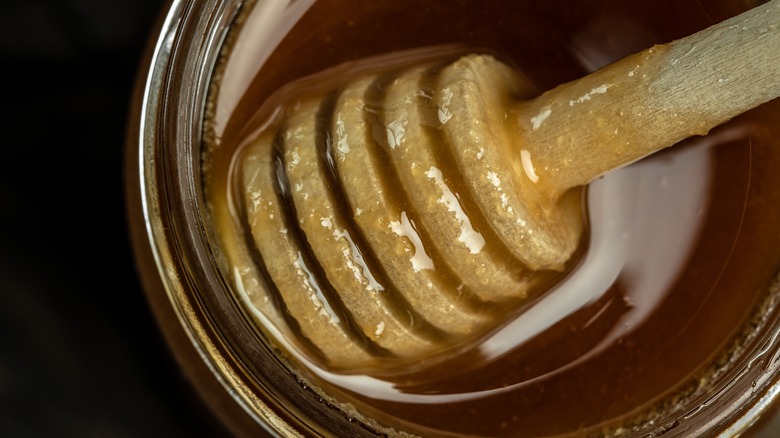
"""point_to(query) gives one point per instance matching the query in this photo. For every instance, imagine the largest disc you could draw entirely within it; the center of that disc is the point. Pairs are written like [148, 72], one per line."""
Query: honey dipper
[398, 215]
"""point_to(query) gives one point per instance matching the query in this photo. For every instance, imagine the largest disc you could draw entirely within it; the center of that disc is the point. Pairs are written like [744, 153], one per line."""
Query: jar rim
[164, 149]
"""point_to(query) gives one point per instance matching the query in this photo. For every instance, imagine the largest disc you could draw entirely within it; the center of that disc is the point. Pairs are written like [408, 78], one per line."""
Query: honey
[679, 249]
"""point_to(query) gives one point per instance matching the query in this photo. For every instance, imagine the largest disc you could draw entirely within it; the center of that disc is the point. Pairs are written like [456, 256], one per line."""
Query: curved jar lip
[239, 376]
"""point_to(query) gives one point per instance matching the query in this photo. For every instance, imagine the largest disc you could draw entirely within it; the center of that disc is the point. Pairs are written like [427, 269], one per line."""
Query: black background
[80, 354]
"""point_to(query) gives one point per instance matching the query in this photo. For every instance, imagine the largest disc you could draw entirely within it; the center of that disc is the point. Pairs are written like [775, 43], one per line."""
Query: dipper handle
[651, 100]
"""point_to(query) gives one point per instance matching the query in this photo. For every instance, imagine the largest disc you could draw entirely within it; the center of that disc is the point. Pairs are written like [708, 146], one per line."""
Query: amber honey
[678, 254]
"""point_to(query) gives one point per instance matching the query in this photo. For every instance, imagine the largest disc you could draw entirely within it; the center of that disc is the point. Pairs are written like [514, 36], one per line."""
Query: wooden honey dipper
[400, 214]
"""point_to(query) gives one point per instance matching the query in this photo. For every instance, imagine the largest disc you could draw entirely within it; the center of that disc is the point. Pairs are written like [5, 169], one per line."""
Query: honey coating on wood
[332, 218]
[382, 246]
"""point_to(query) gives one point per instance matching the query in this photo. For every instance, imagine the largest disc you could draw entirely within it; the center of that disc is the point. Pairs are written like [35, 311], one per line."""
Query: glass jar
[236, 370]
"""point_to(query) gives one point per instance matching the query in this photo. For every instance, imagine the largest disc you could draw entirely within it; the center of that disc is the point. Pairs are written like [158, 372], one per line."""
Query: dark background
[80, 354]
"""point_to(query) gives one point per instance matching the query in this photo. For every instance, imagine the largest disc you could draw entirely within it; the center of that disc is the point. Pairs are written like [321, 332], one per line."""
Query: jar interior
[674, 319]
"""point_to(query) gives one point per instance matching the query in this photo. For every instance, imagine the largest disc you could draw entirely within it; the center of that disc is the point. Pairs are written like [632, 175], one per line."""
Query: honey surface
[678, 250]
